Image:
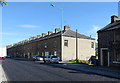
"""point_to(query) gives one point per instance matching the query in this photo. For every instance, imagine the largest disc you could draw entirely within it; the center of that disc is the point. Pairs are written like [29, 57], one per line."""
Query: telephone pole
[76, 48]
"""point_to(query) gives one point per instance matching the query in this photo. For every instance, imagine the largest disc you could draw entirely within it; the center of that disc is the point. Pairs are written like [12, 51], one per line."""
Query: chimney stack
[57, 30]
[34, 37]
[44, 34]
[66, 28]
[114, 18]
[26, 40]
[30, 38]
[38, 36]
[50, 32]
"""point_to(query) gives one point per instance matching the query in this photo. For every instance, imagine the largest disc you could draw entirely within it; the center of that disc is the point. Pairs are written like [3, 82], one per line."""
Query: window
[55, 53]
[117, 55]
[38, 53]
[92, 44]
[54, 43]
[42, 53]
[66, 43]
[38, 45]
[45, 45]
[118, 36]
[46, 53]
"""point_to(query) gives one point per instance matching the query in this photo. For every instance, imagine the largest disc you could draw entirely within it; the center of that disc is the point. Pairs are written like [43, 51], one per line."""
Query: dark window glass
[118, 55]
[92, 44]
[118, 36]
[66, 43]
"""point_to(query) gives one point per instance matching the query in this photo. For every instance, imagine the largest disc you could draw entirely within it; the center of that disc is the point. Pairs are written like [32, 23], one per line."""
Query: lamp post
[3, 2]
[61, 27]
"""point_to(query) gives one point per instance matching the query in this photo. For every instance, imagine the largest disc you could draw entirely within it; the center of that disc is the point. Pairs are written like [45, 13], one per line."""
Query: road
[26, 70]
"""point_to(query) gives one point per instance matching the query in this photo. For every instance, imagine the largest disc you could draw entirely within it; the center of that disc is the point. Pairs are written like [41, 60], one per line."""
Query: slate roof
[68, 33]
[110, 26]
[71, 33]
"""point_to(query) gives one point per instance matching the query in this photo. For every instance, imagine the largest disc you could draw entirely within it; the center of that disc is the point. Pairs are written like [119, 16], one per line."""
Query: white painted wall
[69, 52]
[3, 52]
[84, 49]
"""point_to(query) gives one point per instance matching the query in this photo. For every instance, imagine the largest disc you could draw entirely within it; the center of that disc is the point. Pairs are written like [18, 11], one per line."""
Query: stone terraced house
[51, 44]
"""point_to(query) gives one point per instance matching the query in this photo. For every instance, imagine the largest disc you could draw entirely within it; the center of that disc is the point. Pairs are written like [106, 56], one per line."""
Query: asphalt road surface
[26, 70]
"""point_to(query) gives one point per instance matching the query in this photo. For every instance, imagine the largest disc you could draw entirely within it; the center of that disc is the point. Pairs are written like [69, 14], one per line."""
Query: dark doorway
[105, 57]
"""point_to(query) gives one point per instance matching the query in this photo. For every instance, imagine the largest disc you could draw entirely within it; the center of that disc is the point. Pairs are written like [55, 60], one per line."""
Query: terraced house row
[51, 44]
[109, 43]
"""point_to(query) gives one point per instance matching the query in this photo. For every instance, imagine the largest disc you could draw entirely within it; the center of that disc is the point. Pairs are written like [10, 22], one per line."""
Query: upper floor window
[92, 44]
[118, 55]
[117, 36]
[66, 43]
[45, 45]
[54, 43]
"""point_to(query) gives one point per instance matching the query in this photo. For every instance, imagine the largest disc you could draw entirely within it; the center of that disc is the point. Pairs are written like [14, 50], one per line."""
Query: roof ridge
[81, 34]
[110, 25]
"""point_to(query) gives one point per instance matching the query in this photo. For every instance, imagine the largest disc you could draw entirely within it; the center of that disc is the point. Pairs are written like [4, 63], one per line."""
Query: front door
[105, 57]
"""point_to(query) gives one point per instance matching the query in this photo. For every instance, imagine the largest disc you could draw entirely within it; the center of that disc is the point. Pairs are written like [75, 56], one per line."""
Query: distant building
[3, 51]
[109, 43]
[50, 44]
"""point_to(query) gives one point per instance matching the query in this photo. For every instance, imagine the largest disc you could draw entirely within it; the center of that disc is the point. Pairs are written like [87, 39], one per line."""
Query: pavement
[2, 73]
[28, 70]
[101, 70]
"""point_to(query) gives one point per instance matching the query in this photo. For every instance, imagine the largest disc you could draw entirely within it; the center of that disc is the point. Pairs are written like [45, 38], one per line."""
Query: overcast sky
[22, 20]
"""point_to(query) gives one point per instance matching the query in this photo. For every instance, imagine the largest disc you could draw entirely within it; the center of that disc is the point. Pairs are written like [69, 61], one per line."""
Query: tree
[3, 2]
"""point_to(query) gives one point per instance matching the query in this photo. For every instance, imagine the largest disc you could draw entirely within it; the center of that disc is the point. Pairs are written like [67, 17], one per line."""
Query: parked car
[37, 58]
[2, 58]
[51, 59]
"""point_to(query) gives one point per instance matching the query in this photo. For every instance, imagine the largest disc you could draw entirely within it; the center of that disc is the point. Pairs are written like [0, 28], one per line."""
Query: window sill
[116, 62]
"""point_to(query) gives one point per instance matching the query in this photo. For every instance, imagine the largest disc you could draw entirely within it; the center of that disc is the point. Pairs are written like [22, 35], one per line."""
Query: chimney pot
[50, 32]
[44, 34]
[38, 36]
[66, 28]
[114, 18]
[57, 30]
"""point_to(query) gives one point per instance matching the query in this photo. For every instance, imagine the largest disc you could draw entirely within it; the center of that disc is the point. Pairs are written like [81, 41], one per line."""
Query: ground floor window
[42, 54]
[38, 53]
[118, 55]
[46, 53]
[55, 53]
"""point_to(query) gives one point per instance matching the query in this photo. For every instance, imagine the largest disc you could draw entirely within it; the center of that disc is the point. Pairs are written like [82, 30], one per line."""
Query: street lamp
[3, 2]
[61, 27]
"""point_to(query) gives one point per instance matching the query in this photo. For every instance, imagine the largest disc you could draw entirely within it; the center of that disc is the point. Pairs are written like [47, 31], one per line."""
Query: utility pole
[76, 48]
[61, 34]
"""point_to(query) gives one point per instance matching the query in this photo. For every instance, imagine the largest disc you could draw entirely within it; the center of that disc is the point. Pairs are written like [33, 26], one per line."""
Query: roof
[71, 33]
[111, 26]
[68, 33]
